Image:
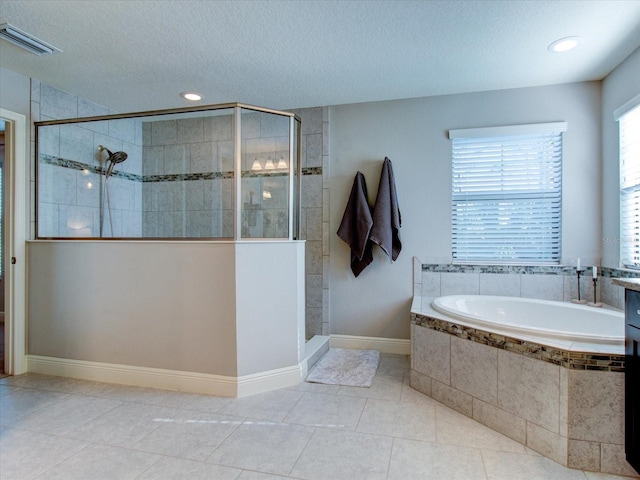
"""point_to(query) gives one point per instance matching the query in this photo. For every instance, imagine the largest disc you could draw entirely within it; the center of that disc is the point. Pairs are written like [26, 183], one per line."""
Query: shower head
[114, 157]
[117, 157]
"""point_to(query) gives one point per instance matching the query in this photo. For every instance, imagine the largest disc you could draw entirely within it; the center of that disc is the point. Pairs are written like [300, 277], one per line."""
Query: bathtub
[548, 321]
[549, 375]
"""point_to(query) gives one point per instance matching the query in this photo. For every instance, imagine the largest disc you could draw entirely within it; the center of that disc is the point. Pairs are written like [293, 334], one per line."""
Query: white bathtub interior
[589, 329]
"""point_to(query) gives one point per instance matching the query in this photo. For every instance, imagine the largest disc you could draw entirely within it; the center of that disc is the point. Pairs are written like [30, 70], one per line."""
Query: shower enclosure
[216, 172]
[190, 218]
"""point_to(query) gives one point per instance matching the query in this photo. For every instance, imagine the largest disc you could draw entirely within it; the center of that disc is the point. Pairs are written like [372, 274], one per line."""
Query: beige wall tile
[451, 397]
[504, 422]
[474, 369]
[430, 284]
[546, 287]
[613, 461]
[564, 402]
[596, 408]
[549, 444]
[432, 354]
[584, 455]
[530, 389]
[420, 382]
[500, 284]
[457, 283]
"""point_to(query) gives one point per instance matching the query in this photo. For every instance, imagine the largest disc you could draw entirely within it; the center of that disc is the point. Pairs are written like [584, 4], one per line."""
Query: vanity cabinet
[632, 378]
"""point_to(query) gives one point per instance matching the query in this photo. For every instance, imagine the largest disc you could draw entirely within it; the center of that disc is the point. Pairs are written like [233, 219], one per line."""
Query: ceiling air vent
[26, 41]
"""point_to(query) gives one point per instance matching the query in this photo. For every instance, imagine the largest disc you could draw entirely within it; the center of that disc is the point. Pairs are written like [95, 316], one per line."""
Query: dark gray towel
[356, 225]
[386, 214]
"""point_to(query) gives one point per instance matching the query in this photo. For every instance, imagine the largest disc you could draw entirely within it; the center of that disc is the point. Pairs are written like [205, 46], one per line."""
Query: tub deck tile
[557, 356]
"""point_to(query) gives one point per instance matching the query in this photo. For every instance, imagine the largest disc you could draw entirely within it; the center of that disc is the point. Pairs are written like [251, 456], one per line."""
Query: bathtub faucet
[595, 303]
[578, 273]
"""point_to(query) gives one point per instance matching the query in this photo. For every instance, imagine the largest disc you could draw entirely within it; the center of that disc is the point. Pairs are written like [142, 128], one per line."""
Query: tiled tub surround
[557, 283]
[568, 406]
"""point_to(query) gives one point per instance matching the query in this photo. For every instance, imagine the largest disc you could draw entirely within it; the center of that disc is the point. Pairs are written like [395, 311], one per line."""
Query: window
[629, 118]
[507, 194]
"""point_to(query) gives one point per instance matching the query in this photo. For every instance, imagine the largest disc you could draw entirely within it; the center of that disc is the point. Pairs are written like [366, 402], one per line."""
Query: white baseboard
[383, 345]
[272, 380]
[192, 382]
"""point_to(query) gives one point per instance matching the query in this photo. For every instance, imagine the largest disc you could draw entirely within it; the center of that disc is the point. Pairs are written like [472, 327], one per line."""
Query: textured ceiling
[139, 55]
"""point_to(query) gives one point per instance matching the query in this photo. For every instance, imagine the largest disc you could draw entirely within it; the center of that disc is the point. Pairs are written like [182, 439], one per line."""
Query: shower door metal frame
[237, 195]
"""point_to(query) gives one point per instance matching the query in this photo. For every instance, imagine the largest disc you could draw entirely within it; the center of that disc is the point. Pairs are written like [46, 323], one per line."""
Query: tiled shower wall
[188, 176]
[187, 167]
[265, 193]
[70, 165]
[314, 221]
[49, 103]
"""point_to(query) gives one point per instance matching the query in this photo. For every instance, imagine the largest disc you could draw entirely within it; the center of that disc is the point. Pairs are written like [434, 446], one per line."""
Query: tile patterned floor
[56, 428]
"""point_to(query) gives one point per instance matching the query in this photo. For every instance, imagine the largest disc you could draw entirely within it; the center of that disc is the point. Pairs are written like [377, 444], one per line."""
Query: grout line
[393, 446]
[306, 445]
[484, 465]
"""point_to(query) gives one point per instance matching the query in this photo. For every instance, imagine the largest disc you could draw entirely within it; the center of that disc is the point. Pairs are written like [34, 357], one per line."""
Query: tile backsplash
[559, 283]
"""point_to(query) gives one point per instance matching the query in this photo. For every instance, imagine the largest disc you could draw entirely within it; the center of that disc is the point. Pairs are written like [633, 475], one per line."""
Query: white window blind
[507, 194]
[630, 188]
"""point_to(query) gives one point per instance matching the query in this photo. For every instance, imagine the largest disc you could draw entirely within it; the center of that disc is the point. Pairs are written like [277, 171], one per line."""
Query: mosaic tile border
[311, 170]
[618, 273]
[178, 177]
[73, 165]
[506, 269]
[556, 356]
[528, 270]
[185, 177]
[262, 174]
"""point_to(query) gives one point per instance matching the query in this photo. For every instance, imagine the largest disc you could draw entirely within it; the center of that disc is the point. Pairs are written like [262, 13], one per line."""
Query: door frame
[15, 234]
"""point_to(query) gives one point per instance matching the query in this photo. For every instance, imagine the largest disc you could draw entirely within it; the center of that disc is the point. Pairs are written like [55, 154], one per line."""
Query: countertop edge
[629, 283]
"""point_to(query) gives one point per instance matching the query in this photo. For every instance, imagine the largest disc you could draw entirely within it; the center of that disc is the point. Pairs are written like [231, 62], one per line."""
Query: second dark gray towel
[386, 214]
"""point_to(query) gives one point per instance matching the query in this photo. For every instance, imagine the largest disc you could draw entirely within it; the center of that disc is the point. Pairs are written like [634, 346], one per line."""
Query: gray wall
[619, 87]
[413, 134]
[15, 92]
[98, 301]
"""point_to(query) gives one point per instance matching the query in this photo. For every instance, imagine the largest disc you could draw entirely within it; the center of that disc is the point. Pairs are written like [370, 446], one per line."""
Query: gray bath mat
[340, 366]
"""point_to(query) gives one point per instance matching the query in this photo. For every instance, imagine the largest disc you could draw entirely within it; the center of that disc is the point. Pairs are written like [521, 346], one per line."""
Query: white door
[15, 235]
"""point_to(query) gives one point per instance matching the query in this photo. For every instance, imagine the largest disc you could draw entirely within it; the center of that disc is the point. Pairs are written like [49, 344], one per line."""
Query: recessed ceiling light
[191, 96]
[564, 44]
